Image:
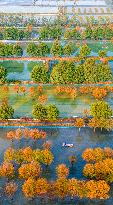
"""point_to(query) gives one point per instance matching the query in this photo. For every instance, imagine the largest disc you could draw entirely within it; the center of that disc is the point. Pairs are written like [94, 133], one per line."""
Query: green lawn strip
[24, 109]
[13, 66]
[97, 46]
[18, 101]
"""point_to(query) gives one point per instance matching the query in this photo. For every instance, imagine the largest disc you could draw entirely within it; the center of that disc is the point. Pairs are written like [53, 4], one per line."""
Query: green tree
[63, 72]
[94, 72]
[72, 34]
[85, 51]
[98, 33]
[11, 33]
[88, 32]
[44, 33]
[32, 49]
[102, 54]
[43, 49]
[39, 112]
[3, 74]
[79, 74]
[50, 32]
[46, 157]
[17, 50]
[6, 111]
[56, 48]
[52, 112]
[69, 49]
[101, 109]
[10, 50]
[40, 74]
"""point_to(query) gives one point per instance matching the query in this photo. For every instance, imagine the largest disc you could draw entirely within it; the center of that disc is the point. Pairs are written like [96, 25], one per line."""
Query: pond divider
[71, 58]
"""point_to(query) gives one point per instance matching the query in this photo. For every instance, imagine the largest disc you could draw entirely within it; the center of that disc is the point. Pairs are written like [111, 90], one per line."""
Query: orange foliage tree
[32, 91]
[62, 171]
[9, 155]
[29, 188]
[94, 122]
[5, 89]
[40, 89]
[7, 170]
[46, 157]
[99, 92]
[26, 133]
[10, 189]
[42, 99]
[31, 169]
[72, 92]
[61, 187]
[79, 123]
[16, 88]
[27, 154]
[42, 186]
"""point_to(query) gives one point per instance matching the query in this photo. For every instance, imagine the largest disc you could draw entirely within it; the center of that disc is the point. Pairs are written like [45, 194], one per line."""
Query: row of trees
[61, 20]
[13, 33]
[90, 32]
[56, 49]
[57, 32]
[65, 90]
[87, 72]
[45, 49]
[42, 112]
[71, 91]
[101, 112]
[18, 134]
[26, 155]
[97, 154]
[62, 188]
[10, 50]
[68, 72]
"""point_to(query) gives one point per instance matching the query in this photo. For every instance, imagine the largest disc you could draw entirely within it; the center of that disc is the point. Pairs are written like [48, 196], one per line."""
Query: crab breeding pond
[56, 102]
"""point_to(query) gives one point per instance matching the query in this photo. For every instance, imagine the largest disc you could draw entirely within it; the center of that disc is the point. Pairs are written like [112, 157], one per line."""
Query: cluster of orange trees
[95, 91]
[99, 164]
[99, 92]
[64, 187]
[70, 91]
[18, 134]
[30, 171]
[95, 123]
[29, 164]
[28, 155]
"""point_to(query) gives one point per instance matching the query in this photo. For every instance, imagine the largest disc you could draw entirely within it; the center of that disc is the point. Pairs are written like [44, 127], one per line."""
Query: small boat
[64, 144]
